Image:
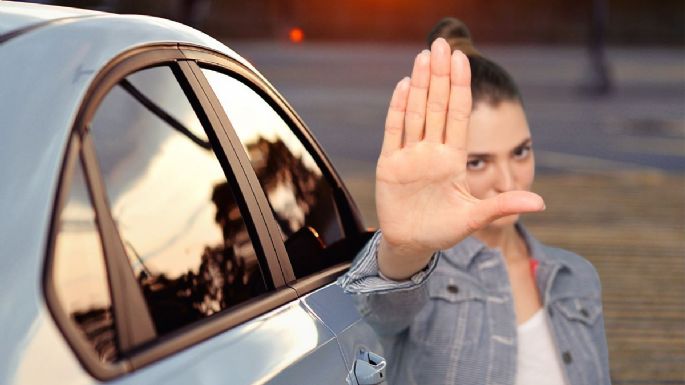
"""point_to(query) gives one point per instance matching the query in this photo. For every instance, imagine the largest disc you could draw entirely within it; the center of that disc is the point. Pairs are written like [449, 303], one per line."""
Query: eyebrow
[525, 142]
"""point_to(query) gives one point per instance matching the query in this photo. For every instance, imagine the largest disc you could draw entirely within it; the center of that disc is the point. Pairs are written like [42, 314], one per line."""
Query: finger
[508, 203]
[439, 92]
[394, 122]
[459, 109]
[415, 117]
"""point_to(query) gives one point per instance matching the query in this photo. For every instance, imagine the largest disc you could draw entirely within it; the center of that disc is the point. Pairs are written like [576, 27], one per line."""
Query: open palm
[422, 196]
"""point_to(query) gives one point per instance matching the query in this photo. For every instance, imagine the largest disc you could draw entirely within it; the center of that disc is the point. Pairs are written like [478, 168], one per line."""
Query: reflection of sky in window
[253, 118]
[80, 276]
[164, 91]
[120, 139]
[121, 131]
[169, 213]
[158, 181]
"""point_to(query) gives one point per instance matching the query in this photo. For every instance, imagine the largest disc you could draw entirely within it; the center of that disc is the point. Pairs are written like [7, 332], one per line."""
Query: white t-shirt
[538, 361]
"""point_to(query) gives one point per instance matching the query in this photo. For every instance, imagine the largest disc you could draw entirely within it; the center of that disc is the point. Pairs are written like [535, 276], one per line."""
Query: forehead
[497, 128]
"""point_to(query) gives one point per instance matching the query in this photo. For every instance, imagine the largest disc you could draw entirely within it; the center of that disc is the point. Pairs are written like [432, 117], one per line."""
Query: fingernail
[424, 56]
[456, 60]
[438, 46]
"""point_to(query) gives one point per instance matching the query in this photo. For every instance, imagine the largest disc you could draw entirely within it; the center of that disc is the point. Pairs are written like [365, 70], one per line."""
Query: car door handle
[368, 369]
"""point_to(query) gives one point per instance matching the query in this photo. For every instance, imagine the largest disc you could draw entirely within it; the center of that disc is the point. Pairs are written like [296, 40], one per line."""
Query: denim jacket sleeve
[388, 306]
[600, 334]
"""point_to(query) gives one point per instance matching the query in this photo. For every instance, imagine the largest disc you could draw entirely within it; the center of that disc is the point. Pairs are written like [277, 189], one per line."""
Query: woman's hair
[490, 83]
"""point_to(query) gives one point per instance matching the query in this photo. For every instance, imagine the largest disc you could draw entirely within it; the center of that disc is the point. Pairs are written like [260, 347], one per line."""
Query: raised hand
[422, 197]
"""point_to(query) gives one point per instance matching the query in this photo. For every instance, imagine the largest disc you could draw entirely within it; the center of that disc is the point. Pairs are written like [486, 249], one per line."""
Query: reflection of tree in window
[298, 196]
[222, 280]
[98, 326]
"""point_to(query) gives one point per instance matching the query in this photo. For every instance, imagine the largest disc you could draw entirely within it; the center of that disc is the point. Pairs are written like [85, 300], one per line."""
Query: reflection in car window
[184, 234]
[299, 195]
[80, 276]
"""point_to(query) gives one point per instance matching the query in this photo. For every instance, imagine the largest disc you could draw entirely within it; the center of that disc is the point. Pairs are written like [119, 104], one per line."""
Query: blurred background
[603, 83]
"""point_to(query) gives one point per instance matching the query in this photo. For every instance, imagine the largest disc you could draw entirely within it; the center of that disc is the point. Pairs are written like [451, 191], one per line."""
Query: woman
[457, 289]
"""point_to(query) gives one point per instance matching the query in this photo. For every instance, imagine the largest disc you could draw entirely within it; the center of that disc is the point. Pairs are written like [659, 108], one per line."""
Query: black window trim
[262, 238]
[257, 193]
[73, 335]
[127, 297]
[353, 230]
[123, 65]
[352, 224]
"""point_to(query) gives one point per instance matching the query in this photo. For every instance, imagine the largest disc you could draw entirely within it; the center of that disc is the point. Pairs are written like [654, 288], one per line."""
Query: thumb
[508, 203]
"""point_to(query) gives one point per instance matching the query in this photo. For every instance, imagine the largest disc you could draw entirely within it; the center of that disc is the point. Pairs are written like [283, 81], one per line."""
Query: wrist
[400, 262]
[403, 250]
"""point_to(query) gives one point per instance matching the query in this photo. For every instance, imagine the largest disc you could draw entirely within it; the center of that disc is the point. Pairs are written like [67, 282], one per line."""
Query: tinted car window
[80, 276]
[175, 211]
[300, 197]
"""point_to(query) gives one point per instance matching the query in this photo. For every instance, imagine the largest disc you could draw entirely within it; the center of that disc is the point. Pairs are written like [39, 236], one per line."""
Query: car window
[80, 277]
[299, 195]
[177, 215]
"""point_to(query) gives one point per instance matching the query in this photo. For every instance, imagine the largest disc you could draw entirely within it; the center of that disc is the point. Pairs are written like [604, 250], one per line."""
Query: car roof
[45, 72]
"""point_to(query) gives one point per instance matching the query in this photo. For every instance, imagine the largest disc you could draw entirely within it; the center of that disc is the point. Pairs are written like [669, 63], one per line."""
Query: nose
[505, 178]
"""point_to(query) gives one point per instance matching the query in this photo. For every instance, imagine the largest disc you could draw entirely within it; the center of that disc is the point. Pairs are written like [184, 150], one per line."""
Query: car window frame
[354, 233]
[80, 148]
[71, 332]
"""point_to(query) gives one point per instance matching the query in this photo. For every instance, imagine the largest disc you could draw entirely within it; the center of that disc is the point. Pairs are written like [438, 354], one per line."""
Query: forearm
[388, 305]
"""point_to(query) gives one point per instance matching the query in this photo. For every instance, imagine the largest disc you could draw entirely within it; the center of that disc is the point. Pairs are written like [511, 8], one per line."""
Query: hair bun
[463, 44]
[456, 33]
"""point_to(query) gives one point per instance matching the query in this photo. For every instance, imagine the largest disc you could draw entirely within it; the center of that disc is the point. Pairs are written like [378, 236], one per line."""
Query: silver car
[166, 216]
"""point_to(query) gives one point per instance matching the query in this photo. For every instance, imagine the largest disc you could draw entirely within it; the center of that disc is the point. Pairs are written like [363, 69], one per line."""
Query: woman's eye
[475, 164]
[521, 152]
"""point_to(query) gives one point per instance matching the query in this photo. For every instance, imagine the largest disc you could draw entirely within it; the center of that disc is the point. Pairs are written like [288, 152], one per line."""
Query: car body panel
[44, 357]
[337, 310]
[297, 341]
[285, 337]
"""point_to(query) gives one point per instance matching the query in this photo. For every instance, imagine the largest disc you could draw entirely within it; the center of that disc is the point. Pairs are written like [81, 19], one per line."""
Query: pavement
[611, 168]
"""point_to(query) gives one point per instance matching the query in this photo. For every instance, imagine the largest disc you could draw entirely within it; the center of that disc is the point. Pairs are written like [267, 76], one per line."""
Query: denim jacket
[454, 322]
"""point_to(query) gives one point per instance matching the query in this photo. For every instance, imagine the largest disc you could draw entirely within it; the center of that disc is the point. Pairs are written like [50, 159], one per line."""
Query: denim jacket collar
[537, 250]
[463, 253]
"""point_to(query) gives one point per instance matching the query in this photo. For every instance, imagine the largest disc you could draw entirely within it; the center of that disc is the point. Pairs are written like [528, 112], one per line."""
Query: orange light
[296, 35]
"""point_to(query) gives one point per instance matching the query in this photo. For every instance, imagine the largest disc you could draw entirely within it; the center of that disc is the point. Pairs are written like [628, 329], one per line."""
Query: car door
[162, 268]
[319, 228]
